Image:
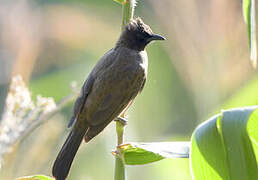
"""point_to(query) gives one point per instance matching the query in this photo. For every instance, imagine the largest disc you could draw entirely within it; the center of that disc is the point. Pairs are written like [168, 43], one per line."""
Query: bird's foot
[122, 120]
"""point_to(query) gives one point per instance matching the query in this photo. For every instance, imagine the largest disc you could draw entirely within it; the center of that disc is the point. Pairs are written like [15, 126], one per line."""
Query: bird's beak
[156, 37]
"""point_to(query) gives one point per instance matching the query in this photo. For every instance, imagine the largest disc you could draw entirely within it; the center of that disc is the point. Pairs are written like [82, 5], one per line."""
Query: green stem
[119, 169]
[119, 166]
[120, 131]
[127, 15]
[127, 11]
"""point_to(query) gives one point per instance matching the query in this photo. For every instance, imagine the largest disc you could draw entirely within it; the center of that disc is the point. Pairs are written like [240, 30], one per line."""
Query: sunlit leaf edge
[35, 177]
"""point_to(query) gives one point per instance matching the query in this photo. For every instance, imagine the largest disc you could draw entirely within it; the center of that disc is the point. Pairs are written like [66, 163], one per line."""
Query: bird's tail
[66, 155]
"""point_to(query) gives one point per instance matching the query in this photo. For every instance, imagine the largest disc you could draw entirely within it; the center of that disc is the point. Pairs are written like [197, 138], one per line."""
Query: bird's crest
[138, 25]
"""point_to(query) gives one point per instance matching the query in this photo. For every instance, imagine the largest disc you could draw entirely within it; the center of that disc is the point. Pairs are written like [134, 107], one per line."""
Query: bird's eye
[140, 37]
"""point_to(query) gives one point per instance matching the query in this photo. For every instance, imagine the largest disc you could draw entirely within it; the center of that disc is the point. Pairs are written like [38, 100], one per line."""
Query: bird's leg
[122, 118]
[121, 122]
[120, 125]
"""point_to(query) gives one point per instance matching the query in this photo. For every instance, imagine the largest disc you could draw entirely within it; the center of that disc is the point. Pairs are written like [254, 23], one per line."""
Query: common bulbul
[114, 82]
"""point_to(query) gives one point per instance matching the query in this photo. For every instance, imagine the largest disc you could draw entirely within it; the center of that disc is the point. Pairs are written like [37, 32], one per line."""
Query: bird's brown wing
[80, 101]
[103, 63]
[113, 100]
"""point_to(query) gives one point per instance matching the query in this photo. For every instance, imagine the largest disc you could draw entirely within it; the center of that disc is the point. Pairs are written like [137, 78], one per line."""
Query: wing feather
[80, 101]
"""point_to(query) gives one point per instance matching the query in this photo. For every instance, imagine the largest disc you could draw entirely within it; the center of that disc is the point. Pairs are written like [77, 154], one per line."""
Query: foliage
[144, 153]
[224, 147]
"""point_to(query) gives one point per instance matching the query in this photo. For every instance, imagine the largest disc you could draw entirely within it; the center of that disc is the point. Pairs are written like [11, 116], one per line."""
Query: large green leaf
[144, 153]
[249, 17]
[225, 146]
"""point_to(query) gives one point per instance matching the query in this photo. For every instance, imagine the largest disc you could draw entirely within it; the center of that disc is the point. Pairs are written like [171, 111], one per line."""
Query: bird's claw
[122, 120]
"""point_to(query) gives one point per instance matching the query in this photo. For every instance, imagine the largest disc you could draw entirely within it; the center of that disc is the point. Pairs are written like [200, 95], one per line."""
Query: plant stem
[119, 166]
[119, 169]
[128, 11]
[127, 15]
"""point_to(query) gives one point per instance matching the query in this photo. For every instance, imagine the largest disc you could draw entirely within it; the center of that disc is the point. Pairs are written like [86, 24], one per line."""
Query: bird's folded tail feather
[66, 155]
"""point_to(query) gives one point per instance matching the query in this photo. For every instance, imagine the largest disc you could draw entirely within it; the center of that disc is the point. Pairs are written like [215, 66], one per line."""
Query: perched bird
[108, 91]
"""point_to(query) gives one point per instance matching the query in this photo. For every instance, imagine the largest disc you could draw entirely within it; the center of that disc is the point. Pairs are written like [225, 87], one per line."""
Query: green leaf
[225, 146]
[144, 153]
[249, 17]
[35, 177]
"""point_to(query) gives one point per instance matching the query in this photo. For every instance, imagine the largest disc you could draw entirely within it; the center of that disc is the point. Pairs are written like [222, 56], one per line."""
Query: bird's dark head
[137, 35]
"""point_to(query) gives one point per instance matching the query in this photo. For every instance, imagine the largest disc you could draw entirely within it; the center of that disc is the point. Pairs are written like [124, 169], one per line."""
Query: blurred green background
[201, 68]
